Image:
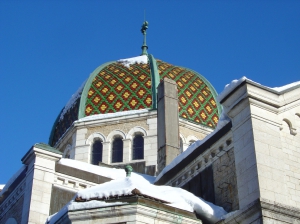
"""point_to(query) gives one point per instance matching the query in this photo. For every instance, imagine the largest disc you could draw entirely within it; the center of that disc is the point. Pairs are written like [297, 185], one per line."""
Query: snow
[177, 197]
[112, 173]
[143, 59]
[234, 83]
[72, 101]
[121, 185]
[109, 115]
[12, 179]
[282, 88]
[223, 120]
[229, 87]
[108, 172]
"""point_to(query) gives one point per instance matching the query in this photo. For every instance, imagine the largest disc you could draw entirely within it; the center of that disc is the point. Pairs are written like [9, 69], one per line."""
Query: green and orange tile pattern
[196, 102]
[118, 88]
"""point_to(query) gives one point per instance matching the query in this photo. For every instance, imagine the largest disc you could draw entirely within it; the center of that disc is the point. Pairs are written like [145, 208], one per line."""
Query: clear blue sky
[48, 48]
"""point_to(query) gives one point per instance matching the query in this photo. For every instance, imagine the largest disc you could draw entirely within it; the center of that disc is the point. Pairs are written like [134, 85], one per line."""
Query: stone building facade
[247, 163]
[253, 159]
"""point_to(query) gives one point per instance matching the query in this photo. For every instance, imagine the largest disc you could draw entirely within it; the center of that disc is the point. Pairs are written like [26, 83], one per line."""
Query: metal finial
[128, 170]
[143, 30]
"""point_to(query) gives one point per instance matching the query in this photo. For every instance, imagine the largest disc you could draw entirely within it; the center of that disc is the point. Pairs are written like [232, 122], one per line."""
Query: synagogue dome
[130, 84]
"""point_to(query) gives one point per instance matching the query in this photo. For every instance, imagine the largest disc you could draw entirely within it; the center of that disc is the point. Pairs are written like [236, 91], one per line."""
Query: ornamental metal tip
[128, 170]
[143, 30]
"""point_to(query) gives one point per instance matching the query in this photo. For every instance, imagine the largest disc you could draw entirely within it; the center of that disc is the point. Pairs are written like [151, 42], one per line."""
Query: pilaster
[40, 160]
[167, 123]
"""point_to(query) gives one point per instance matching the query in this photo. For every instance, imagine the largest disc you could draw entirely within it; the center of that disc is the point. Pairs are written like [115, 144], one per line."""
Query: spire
[143, 30]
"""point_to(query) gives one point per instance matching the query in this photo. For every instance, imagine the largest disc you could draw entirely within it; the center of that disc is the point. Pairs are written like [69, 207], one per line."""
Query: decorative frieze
[200, 163]
[12, 198]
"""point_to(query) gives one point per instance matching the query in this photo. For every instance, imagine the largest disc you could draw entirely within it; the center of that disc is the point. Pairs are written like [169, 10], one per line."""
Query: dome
[130, 84]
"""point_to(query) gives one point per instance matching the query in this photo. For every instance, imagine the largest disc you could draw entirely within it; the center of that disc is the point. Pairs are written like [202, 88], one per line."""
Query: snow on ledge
[112, 173]
[143, 59]
[177, 197]
[234, 83]
[288, 86]
[110, 115]
[229, 87]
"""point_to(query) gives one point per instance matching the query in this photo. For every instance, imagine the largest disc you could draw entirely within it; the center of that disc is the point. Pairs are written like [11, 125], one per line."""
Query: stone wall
[212, 174]
[291, 149]
[224, 175]
[266, 146]
[59, 198]
[124, 126]
[79, 137]
[40, 160]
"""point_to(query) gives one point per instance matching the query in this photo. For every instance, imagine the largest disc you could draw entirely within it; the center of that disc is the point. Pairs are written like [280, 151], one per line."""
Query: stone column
[167, 123]
[127, 157]
[106, 152]
[40, 160]
[82, 150]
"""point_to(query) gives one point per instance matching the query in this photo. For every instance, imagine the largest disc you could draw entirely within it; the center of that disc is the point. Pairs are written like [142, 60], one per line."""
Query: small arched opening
[138, 147]
[117, 150]
[97, 149]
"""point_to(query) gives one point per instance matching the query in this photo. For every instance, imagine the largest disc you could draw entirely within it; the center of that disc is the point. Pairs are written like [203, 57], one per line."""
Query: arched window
[96, 156]
[117, 150]
[138, 147]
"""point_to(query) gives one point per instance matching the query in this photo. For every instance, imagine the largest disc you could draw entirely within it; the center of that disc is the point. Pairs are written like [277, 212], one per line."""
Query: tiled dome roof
[115, 87]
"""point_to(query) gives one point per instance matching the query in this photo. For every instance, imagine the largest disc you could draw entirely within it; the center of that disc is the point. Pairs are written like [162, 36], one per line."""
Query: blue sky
[48, 48]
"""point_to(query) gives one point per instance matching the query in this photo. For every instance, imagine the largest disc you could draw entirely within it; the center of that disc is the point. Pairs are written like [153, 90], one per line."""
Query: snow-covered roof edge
[286, 87]
[112, 173]
[235, 83]
[176, 197]
[127, 62]
[112, 115]
[224, 119]
[72, 101]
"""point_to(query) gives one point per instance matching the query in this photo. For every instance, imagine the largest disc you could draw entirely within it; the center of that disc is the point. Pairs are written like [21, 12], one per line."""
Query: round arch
[135, 130]
[114, 133]
[93, 136]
